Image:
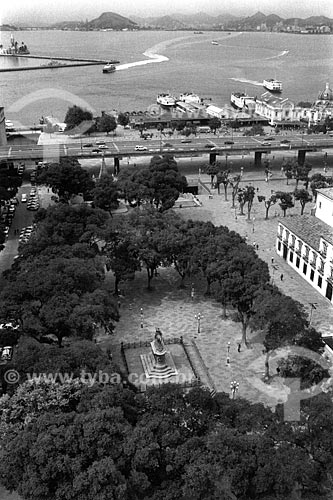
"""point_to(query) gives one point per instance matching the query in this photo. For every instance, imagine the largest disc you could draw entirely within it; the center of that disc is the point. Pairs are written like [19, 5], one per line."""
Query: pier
[73, 62]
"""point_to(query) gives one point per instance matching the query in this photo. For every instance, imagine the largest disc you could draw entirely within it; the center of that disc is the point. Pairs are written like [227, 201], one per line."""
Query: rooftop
[309, 229]
[328, 192]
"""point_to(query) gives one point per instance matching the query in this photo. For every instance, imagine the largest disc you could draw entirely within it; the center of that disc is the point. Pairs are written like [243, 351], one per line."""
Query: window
[320, 281]
[305, 268]
[311, 274]
[291, 256]
[297, 262]
[320, 204]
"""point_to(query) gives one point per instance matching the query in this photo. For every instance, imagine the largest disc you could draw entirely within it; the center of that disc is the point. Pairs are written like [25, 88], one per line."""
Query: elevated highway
[86, 148]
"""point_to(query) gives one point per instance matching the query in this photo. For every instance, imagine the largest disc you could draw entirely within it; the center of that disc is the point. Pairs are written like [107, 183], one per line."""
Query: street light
[141, 317]
[198, 317]
[313, 306]
[234, 386]
[253, 221]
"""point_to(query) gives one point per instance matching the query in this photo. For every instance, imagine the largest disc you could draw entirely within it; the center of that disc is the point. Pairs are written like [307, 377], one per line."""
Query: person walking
[281, 277]
[239, 347]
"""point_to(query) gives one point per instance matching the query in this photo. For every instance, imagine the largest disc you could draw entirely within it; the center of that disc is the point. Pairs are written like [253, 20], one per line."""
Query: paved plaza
[174, 311]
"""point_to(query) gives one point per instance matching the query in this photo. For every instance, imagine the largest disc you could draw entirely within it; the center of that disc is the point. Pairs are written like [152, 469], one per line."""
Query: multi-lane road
[236, 144]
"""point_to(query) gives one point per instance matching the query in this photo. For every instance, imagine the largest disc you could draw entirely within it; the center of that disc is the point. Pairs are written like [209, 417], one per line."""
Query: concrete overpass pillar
[301, 157]
[116, 165]
[212, 158]
[257, 159]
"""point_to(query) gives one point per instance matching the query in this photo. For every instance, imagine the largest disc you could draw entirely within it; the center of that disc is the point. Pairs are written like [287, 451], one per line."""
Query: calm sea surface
[154, 62]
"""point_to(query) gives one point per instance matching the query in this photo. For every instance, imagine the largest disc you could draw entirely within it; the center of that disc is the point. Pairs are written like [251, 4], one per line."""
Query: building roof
[274, 100]
[327, 94]
[309, 229]
[328, 192]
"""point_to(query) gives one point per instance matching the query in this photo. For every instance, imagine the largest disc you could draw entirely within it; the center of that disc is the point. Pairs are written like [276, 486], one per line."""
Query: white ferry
[166, 100]
[190, 98]
[239, 99]
[272, 85]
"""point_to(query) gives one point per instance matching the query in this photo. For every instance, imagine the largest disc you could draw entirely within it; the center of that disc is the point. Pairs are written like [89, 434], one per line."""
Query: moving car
[229, 142]
[209, 145]
[24, 198]
[140, 148]
[103, 146]
[185, 141]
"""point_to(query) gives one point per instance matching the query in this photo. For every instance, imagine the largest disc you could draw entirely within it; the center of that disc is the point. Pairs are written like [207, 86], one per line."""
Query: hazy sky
[55, 10]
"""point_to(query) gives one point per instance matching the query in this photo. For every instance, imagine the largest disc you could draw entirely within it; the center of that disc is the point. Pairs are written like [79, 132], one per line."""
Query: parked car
[24, 198]
[6, 353]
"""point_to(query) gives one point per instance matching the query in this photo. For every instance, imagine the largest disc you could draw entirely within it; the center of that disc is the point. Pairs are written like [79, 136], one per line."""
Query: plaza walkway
[174, 312]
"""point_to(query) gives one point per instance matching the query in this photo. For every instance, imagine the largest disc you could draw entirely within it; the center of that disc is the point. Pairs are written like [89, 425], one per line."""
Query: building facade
[280, 109]
[3, 135]
[306, 244]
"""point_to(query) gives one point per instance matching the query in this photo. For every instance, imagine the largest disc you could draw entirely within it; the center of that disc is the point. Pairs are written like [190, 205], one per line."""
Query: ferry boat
[272, 85]
[109, 68]
[166, 100]
[240, 99]
[190, 98]
[14, 48]
[214, 42]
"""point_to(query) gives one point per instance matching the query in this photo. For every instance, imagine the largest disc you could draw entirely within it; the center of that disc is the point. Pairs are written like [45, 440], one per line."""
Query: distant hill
[8, 27]
[179, 21]
[110, 20]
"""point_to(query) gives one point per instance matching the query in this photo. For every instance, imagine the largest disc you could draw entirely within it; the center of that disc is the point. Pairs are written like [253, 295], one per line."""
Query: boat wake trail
[244, 80]
[153, 58]
[281, 54]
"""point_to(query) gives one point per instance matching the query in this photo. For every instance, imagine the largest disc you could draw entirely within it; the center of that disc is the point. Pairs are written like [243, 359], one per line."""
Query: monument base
[154, 370]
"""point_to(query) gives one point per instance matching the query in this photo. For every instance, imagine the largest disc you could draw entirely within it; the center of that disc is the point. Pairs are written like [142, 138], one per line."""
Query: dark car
[167, 145]
[88, 145]
[285, 141]
[229, 142]
[209, 145]
[269, 138]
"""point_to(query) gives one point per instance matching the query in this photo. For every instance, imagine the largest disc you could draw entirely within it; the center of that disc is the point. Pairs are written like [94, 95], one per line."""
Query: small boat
[51, 64]
[190, 98]
[214, 42]
[109, 68]
[272, 85]
[166, 100]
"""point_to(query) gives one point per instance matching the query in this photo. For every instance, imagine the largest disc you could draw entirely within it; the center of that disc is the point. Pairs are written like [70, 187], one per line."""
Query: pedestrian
[278, 371]
[281, 277]
[257, 246]
[272, 260]
[254, 244]
[239, 347]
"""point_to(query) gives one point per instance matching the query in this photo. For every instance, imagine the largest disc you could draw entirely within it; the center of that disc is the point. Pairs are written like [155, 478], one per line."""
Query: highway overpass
[85, 148]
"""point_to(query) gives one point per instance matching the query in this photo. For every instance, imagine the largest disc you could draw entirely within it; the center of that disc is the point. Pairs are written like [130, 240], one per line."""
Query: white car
[6, 353]
[103, 146]
[100, 142]
[140, 148]
[24, 198]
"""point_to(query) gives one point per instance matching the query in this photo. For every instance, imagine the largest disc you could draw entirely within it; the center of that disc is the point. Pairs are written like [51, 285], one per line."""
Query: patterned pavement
[174, 312]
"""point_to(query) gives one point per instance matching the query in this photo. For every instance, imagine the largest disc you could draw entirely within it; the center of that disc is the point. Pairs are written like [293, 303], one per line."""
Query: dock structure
[73, 62]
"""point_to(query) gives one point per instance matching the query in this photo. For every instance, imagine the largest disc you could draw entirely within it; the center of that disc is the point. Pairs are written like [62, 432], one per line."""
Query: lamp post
[198, 317]
[234, 386]
[228, 353]
[141, 317]
[253, 221]
[313, 306]
[192, 291]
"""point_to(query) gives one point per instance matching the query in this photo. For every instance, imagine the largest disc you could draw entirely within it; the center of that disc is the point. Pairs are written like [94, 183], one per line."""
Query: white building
[279, 109]
[306, 244]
